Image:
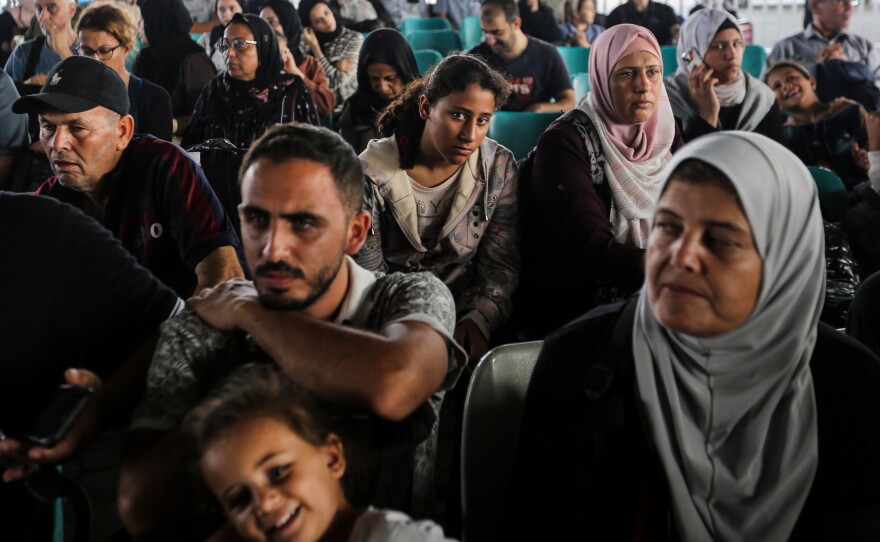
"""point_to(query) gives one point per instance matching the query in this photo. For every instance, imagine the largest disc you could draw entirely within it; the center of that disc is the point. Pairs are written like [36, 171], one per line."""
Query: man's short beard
[318, 286]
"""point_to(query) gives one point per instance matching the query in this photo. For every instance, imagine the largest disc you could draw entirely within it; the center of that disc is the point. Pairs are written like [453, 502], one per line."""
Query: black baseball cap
[76, 84]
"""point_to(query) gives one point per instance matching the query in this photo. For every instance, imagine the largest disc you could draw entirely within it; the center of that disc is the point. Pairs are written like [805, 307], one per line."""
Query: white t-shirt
[376, 525]
[432, 207]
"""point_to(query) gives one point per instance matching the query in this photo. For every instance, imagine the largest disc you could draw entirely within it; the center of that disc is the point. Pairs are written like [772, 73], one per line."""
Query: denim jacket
[477, 254]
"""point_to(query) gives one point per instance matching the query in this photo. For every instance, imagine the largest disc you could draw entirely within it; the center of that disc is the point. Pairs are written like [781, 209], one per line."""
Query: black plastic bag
[842, 277]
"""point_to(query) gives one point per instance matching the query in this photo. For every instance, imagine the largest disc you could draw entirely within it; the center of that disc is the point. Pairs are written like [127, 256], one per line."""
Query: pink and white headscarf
[635, 154]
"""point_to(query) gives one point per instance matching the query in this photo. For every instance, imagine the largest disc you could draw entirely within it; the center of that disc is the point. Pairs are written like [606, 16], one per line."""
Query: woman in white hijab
[709, 92]
[714, 406]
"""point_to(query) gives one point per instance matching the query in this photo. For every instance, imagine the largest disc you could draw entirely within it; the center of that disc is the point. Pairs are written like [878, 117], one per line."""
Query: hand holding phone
[64, 428]
[691, 59]
[55, 421]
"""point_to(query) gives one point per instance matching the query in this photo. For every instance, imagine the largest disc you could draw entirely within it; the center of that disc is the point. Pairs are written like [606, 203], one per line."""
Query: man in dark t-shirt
[658, 18]
[148, 192]
[534, 68]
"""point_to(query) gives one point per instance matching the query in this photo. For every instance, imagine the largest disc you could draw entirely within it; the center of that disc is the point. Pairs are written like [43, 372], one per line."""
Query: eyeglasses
[101, 53]
[240, 44]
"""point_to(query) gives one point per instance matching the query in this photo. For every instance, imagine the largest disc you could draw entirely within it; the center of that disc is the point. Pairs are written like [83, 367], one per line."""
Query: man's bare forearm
[389, 373]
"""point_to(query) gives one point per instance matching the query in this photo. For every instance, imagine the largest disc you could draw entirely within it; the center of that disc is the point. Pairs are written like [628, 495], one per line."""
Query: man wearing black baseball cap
[148, 192]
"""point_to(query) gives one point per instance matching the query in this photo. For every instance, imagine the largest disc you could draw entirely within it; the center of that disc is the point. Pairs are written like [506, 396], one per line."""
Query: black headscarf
[243, 109]
[269, 68]
[290, 23]
[166, 24]
[305, 16]
[387, 46]
[217, 31]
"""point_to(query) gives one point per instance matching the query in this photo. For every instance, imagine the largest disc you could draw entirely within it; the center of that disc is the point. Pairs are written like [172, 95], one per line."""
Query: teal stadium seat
[195, 36]
[424, 23]
[577, 59]
[581, 84]
[442, 41]
[670, 59]
[519, 131]
[427, 59]
[490, 436]
[754, 58]
[471, 33]
[833, 200]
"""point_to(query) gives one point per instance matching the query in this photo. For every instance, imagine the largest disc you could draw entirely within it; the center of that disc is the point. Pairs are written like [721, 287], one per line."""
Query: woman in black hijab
[283, 18]
[335, 47]
[171, 59]
[253, 93]
[385, 66]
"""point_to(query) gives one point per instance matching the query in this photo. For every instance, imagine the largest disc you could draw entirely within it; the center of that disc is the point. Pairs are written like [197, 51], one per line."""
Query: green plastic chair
[442, 41]
[670, 59]
[471, 33]
[427, 59]
[195, 36]
[833, 200]
[424, 23]
[519, 131]
[577, 59]
[754, 58]
[581, 84]
[490, 436]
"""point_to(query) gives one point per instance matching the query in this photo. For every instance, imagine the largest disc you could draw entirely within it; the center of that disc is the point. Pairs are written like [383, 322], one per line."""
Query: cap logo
[56, 78]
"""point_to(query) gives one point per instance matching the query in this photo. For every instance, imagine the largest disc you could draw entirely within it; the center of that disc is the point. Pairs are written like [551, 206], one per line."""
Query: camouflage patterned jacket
[477, 254]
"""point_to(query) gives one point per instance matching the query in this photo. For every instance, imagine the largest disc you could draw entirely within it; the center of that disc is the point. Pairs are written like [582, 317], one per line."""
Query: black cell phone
[52, 425]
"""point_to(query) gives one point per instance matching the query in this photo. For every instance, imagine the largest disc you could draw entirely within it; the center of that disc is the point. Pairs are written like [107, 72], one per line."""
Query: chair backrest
[424, 23]
[426, 59]
[754, 58]
[490, 436]
[833, 200]
[576, 59]
[670, 59]
[581, 84]
[442, 41]
[519, 131]
[471, 33]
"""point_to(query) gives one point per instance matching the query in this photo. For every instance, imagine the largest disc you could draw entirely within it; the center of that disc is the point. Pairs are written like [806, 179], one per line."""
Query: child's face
[274, 485]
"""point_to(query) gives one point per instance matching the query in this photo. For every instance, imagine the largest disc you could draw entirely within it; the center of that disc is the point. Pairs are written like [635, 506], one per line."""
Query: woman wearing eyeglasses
[224, 9]
[107, 34]
[253, 93]
[171, 59]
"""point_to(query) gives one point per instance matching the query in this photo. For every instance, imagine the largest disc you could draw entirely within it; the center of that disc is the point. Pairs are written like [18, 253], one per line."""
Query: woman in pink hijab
[593, 182]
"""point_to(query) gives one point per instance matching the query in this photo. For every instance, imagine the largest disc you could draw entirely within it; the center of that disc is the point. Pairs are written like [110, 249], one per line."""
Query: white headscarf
[697, 32]
[733, 417]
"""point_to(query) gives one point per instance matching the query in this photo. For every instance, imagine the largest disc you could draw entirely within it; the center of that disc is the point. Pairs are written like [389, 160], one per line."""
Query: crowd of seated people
[664, 238]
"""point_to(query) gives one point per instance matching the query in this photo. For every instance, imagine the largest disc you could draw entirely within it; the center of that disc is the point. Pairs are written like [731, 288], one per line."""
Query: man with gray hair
[32, 59]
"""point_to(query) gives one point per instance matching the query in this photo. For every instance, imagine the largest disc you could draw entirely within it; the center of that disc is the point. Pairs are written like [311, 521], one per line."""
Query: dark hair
[696, 171]
[258, 390]
[261, 390]
[285, 142]
[510, 8]
[453, 74]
